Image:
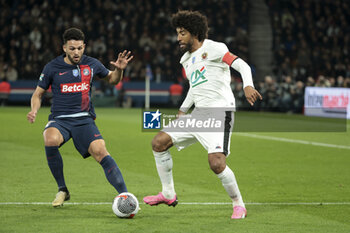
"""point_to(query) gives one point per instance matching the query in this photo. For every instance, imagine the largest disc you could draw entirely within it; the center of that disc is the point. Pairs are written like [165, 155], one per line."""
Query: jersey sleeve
[221, 53]
[229, 58]
[101, 70]
[217, 51]
[244, 69]
[45, 78]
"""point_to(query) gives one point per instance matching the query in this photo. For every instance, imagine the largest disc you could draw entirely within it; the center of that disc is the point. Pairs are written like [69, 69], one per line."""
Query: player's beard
[71, 59]
[188, 46]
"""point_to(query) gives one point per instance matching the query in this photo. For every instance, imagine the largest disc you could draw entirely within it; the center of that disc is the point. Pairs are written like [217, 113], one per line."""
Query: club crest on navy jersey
[75, 73]
[86, 72]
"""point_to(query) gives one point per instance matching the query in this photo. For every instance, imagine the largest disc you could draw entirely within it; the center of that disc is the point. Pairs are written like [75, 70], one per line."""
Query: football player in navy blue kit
[72, 113]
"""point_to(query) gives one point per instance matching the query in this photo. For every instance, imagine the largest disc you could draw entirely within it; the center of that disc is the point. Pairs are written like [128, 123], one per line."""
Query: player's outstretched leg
[55, 163]
[229, 182]
[113, 174]
[217, 162]
[164, 164]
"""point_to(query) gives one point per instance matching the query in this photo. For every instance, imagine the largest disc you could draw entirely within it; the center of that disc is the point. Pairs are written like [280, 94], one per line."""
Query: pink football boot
[159, 199]
[239, 212]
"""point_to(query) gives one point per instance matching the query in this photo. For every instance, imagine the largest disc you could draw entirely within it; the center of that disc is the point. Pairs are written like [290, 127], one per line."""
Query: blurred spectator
[340, 81]
[5, 89]
[347, 82]
[11, 73]
[2, 70]
[35, 37]
[238, 92]
[271, 90]
[285, 96]
[99, 46]
[175, 92]
[119, 94]
[285, 93]
[158, 75]
[29, 31]
[322, 82]
[311, 38]
[310, 81]
[298, 97]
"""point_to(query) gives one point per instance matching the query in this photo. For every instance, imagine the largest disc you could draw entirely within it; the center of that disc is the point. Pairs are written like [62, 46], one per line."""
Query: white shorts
[212, 140]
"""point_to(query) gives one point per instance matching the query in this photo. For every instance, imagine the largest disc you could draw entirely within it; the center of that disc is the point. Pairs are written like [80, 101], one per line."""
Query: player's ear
[64, 48]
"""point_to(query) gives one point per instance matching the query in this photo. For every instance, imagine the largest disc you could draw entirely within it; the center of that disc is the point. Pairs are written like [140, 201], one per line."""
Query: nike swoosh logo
[96, 135]
[62, 73]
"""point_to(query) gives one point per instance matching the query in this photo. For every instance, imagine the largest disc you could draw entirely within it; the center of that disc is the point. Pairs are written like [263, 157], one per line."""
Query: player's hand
[180, 113]
[123, 60]
[251, 94]
[31, 116]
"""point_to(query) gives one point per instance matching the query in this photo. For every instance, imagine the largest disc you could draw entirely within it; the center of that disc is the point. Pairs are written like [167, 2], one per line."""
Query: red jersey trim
[86, 73]
[229, 58]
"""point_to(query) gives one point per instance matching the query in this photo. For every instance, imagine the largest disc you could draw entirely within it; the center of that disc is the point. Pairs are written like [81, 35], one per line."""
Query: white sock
[164, 164]
[229, 182]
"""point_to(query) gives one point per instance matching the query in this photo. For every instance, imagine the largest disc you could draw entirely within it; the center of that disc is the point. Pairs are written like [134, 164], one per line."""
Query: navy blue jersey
[71, 85]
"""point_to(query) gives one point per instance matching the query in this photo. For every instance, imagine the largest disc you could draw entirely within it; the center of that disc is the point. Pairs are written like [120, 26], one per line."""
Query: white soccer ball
[125, 205]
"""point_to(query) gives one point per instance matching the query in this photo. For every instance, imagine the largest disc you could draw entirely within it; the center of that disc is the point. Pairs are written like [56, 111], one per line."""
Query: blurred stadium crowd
[311, 40]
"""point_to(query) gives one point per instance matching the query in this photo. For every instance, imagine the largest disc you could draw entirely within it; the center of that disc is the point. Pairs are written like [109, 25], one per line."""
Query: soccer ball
[125, 205]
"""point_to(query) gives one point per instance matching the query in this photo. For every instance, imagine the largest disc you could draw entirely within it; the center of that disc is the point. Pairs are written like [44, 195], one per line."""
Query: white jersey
[209, 76]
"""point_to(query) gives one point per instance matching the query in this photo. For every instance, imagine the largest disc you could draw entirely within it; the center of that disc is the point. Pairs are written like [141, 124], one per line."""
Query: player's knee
[157, 145]
[160, 143]
[52, 140]
[52, 137]
[99, 154]
[98, 150]
[217, 167]
[217, 164]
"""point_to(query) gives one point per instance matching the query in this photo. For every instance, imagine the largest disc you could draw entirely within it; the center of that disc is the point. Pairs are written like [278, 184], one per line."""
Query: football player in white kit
[207, 65]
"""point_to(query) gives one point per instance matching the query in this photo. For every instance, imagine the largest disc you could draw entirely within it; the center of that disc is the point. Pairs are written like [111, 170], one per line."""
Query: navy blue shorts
[83, 130]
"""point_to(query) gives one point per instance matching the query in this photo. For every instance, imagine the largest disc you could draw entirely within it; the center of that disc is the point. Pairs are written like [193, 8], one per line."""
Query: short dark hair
[73, 34]
[193, 21]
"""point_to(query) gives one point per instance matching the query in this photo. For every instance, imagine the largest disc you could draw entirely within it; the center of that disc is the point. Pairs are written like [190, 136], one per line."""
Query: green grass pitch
[288, 186]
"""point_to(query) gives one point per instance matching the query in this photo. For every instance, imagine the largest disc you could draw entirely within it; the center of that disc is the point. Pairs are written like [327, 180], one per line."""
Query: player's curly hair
[73, 34]
[193, 21]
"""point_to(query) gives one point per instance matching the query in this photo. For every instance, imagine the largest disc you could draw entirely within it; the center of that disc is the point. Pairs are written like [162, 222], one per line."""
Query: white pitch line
[49, 203]
[185, 203]
[294, 141]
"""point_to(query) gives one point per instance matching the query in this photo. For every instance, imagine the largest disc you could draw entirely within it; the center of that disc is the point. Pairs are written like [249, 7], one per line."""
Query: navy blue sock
[55, 163]
[113, 174]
